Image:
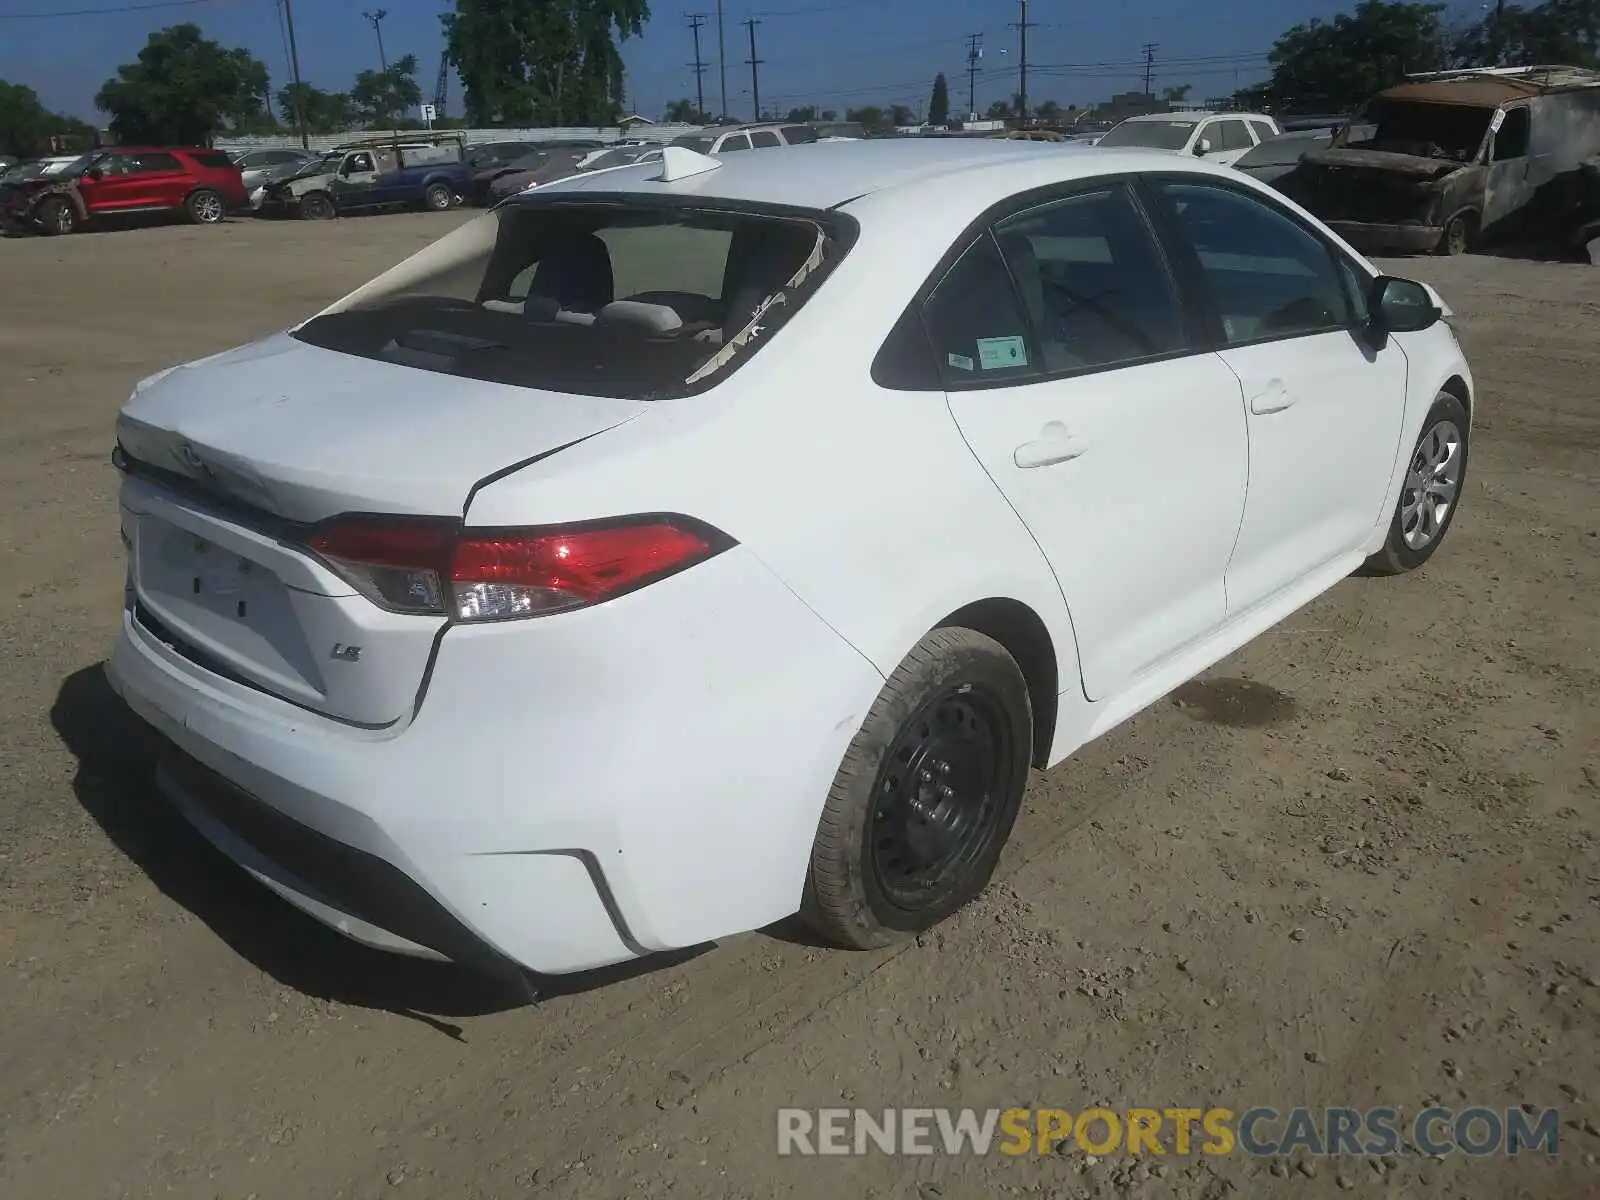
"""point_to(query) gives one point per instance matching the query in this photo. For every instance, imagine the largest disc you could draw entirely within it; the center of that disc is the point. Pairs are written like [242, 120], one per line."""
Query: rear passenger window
[1269, 276]
[1093, 281]
[765, 138]
[978, 331]
[738, 141]
[1263, 130]
[210, 158]
[799, 135]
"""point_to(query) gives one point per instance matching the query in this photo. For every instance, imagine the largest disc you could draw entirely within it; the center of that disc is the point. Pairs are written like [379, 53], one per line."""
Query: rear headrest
[636, 314]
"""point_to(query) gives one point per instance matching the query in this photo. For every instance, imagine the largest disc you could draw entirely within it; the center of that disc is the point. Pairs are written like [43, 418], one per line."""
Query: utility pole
[755, 75]
[1022, 90]
[1149, 64]
[1497, 45]
[375, 19]
[722, 63]
[974, 55]
[294, 69]
[698, 67]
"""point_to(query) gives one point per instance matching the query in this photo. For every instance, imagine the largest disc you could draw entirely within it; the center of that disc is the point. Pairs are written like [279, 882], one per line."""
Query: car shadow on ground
[115, 783]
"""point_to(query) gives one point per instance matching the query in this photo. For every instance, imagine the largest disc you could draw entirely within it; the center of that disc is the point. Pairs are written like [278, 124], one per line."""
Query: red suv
[204, 185]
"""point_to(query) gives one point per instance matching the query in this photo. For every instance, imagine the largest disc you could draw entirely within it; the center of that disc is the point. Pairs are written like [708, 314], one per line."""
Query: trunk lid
[252, 446]
[304, 433]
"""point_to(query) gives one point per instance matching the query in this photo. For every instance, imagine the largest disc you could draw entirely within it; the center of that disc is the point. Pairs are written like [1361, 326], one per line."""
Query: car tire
[317, 206]
[438, 197]
[926, 795]
[57, 216]
[205, 207]
[1460, 233]
[1436, 473]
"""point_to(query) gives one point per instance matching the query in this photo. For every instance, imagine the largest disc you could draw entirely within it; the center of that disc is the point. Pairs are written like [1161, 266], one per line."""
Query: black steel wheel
[926, 795]
[316, 206]
[938, 798]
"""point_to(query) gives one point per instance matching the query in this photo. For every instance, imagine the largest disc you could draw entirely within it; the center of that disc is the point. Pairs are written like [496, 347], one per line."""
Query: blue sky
[830, 53]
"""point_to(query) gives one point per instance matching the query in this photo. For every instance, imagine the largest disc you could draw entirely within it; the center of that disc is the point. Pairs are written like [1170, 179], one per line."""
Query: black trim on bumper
[358, 883]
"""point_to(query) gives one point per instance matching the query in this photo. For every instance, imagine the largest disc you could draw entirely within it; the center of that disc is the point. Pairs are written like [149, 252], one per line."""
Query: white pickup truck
[1213, 136]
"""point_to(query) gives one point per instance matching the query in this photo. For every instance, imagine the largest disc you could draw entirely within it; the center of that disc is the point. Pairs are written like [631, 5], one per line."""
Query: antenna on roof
[680, 162]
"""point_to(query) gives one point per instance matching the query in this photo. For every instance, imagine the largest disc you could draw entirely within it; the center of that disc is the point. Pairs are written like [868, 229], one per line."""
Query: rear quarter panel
[867, 503]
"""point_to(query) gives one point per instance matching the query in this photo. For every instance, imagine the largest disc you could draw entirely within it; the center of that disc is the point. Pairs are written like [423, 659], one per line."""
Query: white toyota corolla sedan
[680, 547]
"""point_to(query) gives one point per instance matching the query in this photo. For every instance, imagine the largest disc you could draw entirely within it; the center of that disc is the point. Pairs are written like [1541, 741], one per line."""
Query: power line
[95, 12]
[698, 67]
[755, 63]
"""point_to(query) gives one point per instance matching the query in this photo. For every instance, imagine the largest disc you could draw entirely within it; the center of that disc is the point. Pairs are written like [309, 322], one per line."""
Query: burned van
[1449, 161]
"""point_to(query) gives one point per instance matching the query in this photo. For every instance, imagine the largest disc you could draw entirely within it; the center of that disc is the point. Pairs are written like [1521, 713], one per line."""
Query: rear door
[1324, 404]
[159, 180]
[1083, 389]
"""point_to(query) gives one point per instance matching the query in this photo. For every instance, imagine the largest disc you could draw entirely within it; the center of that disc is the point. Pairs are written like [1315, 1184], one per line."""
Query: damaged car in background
[1461, 159]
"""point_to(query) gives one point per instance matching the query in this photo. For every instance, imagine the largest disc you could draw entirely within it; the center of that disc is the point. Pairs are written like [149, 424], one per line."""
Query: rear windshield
[640, 299]
[698, 142]
[1153, 135]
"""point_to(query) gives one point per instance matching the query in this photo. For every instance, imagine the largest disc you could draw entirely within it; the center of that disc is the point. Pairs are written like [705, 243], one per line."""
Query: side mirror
[1202, 147]
[94, 173]
[1400, 306]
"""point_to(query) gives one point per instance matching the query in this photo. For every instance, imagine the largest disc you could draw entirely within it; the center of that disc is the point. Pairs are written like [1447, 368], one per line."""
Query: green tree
[547, 62]
[325, 112]
[1178, 94]
[383, 97]
[1558, 31]
[828, 114]
[1050, 110]
[900, 114]
[684, 112]
[183, 90]
[806, 112]
[871, 117]
[939, 103]
[28, 128]
[1337, 65]
[1000, 110]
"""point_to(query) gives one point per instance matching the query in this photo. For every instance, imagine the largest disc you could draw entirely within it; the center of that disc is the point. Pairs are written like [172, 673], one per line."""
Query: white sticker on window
[960, 360]
[998, 353]
[1497, 120]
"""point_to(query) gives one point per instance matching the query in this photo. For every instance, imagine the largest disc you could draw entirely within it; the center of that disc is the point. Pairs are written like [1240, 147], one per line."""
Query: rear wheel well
[1457, 387]
[1018, 628]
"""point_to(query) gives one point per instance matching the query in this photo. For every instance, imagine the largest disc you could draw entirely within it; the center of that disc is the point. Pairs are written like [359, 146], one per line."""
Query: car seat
[576, 273]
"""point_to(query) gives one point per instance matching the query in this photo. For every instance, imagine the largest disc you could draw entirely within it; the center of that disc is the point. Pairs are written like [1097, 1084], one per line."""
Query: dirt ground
[1355, 866]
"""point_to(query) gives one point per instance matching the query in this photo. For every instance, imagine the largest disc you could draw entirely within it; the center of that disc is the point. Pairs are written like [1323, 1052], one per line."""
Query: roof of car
[829, 174]
[1188, 115]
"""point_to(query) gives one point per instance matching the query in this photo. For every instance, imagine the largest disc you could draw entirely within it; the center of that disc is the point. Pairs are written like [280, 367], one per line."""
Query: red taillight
[429, 566]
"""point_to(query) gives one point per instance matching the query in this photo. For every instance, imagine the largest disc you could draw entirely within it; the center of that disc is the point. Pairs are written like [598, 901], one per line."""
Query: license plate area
[226, 605]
